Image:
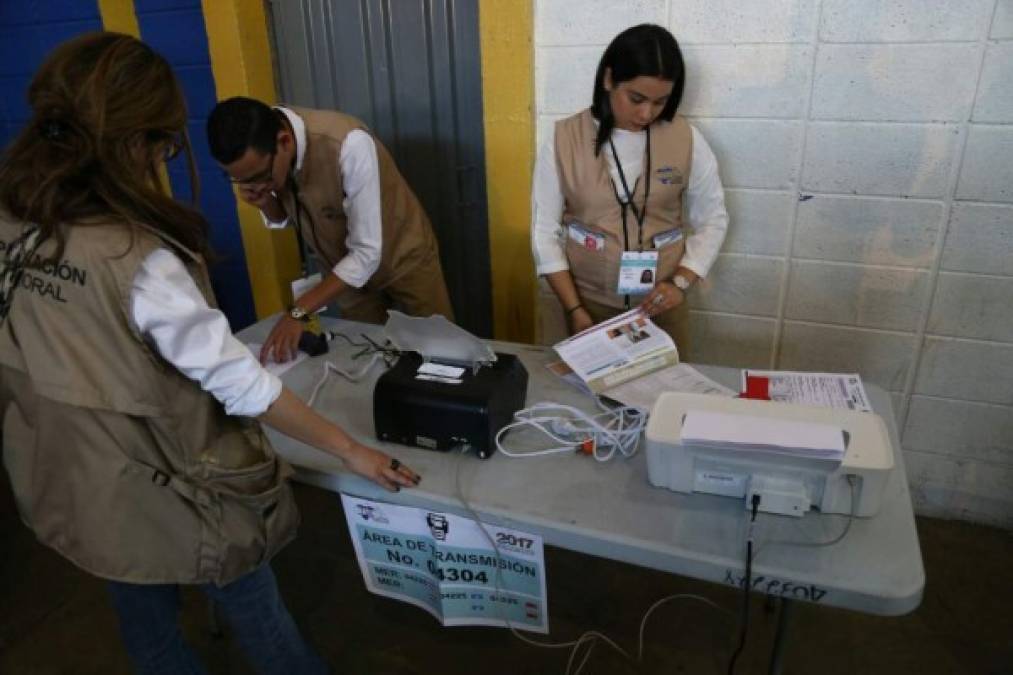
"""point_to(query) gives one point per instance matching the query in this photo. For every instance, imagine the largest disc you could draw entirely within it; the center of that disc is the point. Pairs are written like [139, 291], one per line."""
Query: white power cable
[613, 430]
[586, 639]
[352, 376]
[574, 645]
[852, 482]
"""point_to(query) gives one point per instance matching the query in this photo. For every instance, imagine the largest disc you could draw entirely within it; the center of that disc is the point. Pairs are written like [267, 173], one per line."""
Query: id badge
[300, 286]
[667, 237]
[592, 241]
[637, 272]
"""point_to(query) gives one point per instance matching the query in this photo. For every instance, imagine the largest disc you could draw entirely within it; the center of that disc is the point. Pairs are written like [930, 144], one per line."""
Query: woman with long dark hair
[129, 411]
[612, 187]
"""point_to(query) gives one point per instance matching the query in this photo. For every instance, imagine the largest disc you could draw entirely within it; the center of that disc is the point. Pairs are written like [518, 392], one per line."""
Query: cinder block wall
[865, 149]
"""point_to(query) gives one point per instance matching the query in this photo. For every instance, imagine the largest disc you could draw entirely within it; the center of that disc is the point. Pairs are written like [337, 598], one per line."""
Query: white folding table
[610, 509]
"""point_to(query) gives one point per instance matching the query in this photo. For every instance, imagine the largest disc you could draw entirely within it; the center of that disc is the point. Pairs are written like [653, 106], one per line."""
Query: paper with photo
[618, 350]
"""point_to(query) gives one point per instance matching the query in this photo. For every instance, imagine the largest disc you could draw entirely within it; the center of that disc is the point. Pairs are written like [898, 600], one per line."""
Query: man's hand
[283, 342]
[264, 199]
[259, 196]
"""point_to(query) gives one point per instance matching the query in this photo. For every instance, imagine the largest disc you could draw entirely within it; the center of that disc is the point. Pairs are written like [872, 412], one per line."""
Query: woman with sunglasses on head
[129, 411]
[611, 190]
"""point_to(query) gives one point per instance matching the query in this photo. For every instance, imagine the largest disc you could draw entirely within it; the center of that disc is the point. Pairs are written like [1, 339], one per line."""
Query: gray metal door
[411, 70]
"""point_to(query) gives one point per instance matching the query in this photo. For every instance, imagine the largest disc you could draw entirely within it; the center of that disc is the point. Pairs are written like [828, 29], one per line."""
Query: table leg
[780, 637]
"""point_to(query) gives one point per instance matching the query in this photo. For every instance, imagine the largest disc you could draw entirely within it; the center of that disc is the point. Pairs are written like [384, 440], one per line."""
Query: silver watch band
[682, 283]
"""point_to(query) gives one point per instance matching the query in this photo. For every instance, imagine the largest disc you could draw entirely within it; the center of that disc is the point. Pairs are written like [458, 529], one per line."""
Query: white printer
[787, 483]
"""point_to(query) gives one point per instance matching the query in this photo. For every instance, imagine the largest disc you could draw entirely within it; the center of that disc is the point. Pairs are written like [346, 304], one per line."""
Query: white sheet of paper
[440, 370]
[565, 373]
[745, 432]
[273, 366]
[644, 392]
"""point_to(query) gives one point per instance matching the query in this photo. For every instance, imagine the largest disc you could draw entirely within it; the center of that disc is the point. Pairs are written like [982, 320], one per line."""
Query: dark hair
[646, 49]
[97, 100]
[239, 123]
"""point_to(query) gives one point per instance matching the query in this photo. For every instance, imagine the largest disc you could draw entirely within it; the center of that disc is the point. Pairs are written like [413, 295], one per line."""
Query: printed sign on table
[447, 565]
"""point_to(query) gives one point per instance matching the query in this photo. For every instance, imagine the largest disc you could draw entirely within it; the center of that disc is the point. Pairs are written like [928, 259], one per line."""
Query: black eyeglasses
[259, 178]
[173, 149]
[172, 143]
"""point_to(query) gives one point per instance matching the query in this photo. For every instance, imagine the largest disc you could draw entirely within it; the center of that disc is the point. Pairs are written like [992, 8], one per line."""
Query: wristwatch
[298, 313]
[682, 283]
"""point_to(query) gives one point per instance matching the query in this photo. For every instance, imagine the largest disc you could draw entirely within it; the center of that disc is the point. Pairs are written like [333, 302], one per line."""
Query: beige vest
[590, 200]
[116, 459]
[407, 234]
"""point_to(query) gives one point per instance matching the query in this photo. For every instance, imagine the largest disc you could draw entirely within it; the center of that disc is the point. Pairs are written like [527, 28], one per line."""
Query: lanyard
[294, 187]
[641, 214]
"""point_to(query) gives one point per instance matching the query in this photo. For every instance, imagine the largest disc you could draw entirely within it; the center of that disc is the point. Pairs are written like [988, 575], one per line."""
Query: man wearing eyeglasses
[326, 174]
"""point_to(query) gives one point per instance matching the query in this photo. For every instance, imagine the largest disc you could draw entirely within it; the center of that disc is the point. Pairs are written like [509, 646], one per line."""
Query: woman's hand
[579, 320]
[381, 468]
[292, 417]
[664, 296]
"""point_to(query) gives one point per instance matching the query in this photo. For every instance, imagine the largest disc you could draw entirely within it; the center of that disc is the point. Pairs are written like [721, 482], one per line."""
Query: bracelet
[573, 309]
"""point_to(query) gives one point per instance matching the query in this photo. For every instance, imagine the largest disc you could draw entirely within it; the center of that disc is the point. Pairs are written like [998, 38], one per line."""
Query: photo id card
[585, 237]
[667, 237]
[637, 272]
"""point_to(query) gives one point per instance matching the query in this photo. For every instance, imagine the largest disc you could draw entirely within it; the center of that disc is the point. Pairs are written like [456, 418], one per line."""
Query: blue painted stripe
[175, 28]
[29, 30]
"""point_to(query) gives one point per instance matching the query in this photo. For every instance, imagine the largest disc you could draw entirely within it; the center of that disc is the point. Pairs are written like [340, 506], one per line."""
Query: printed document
[644, 392]
[824, 390]
[618, 350]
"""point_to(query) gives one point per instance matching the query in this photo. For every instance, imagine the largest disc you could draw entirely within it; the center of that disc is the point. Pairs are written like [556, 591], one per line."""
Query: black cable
[755, 503]
[299, 208]
[640, 215]
[333, 334]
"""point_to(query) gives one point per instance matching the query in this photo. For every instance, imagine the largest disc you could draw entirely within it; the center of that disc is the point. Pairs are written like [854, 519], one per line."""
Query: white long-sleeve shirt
[360, 177]
[704, 201]
[168, 309]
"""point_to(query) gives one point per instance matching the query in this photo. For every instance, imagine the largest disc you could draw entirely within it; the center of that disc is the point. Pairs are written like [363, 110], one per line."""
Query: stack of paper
[728, 431]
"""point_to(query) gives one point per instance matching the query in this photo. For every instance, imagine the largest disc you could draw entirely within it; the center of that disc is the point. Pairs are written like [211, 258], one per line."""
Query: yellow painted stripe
[241, 62]
[507, 43]
[119, 16]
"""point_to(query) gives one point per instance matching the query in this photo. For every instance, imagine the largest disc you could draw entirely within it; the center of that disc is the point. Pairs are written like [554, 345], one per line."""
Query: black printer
[444, 411]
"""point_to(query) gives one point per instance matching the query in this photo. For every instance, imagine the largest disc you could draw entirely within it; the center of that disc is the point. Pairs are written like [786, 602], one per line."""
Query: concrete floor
[56, 619]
